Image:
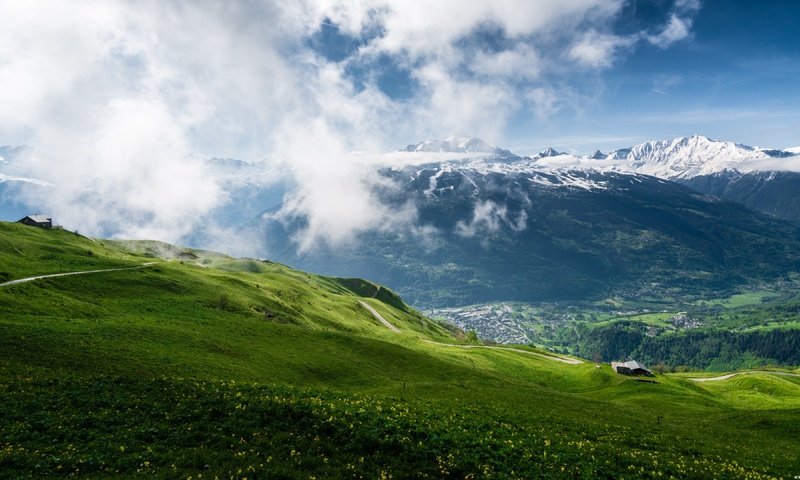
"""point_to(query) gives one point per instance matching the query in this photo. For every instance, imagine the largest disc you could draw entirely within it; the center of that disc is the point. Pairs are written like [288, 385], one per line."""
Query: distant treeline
[704, 349]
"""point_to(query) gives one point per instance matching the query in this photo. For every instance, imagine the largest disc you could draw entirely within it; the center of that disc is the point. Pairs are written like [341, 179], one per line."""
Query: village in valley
[554, 326]
[523, 323]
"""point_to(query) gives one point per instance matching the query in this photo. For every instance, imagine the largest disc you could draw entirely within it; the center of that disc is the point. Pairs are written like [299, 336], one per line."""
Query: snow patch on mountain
[525, 170]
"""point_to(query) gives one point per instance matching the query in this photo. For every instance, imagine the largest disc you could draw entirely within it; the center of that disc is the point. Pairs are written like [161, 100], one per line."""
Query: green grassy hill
[203, 366]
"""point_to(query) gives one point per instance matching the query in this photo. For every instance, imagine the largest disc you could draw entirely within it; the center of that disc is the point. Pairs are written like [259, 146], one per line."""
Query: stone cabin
[41, 221]
[631, 367]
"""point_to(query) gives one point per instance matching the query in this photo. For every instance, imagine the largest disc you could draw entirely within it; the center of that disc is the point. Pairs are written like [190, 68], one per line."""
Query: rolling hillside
[204, 365]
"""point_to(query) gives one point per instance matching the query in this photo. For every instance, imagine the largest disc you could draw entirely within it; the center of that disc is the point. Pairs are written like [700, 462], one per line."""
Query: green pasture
[206, 366]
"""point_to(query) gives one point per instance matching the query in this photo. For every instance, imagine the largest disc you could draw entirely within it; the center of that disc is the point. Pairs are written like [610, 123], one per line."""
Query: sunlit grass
[249, 369]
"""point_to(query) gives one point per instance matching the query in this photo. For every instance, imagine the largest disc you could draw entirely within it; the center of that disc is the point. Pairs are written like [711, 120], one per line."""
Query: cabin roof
[40, 218]
[634, 365]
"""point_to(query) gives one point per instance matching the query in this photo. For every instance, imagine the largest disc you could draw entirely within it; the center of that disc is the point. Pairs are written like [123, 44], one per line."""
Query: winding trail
[571, 361]
[379, 317]
[725, 377]
[85, 272]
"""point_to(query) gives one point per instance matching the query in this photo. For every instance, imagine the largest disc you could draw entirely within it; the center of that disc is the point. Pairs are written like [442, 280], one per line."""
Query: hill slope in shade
[775, 193]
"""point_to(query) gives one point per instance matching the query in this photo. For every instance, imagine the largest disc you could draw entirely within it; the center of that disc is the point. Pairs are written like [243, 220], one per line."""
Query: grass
[27, 251]
[653, 319]
[774, 326]
[248, 369]
[174, 427]
[739, 299]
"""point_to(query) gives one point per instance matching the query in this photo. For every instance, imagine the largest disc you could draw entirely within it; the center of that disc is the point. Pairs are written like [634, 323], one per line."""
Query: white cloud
[679, 25]
[687, 6]
[598, 50]
[521, 63]
[337, 193]
[423, 29]
[463, 105]
[544, 102]
[676, 29]
[488, 217]
[126, 99]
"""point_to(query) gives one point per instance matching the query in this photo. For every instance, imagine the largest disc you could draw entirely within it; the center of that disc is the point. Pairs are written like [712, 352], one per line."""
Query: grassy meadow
[206, 366]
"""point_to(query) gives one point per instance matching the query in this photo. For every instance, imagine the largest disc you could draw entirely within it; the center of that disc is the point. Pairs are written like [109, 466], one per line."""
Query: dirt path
[571, 361]
[725, 377]
[379, 317]
[52, 275]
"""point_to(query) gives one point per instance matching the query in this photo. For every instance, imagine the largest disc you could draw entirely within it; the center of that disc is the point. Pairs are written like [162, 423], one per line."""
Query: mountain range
[690, 215]
[556, 226]
[763, 179]
[494, 230]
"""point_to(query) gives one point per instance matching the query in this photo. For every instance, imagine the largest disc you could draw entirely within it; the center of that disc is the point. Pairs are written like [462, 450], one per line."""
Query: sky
[123, 101]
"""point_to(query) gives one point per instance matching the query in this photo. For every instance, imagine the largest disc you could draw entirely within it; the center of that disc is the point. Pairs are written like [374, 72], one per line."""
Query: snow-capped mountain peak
[549, 152]
[687, 157]
[451, 145]
[461, 145]
[680, 158]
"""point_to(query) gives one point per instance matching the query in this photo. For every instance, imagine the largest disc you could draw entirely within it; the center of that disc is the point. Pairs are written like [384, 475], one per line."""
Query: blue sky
[733, 76]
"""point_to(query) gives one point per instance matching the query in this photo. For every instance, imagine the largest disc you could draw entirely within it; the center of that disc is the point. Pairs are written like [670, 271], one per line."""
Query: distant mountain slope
[773, 193]
[762, 179]
[511, 231]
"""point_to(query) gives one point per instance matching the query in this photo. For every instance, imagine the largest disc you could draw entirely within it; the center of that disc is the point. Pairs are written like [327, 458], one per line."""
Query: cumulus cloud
[125, 100]
[545, 102]
[679, 25]
[488, 217]
[677, 29]
[597, 50]
[427, 29]
[338, 194]
[522, 62]
[120, 99]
